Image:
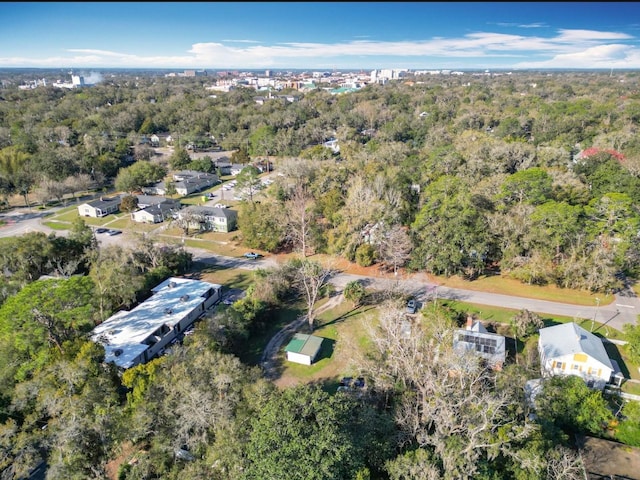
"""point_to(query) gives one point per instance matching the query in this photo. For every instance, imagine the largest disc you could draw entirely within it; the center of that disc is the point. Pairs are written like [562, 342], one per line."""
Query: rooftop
[304, 344]
[570, 338]
[123, 334]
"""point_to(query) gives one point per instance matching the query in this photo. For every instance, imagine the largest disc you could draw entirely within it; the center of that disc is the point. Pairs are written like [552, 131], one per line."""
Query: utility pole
[595, 313]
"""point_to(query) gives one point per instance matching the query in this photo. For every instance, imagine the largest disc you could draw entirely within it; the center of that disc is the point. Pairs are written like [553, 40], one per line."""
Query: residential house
[156, 212]
[210, 218]
[303, 348]
[475, 338]
[568, 349]
[189, 181]
[159, 188]
[137, 336]
[223, 165]
[99, 208]
[236, 168]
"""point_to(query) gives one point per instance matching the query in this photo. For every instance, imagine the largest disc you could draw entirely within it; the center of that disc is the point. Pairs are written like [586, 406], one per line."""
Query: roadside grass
[509, 286]
[57, 225]
[71, 215]
[126, 223]
[227, 277]
[632, 388]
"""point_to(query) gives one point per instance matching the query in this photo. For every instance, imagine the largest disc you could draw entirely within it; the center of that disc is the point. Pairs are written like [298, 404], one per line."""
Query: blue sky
[320, 35]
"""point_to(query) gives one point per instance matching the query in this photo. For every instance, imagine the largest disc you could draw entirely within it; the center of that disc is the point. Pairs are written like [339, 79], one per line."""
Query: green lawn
[509, 286]
[57, 225]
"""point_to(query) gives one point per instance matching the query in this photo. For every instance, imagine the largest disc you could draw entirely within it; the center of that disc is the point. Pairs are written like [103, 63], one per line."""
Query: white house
[210, 218]
[303, 348]
[568, 349]
[137, 336]
[99, 208]
[156, 212]
[476, 338]
[189, 181]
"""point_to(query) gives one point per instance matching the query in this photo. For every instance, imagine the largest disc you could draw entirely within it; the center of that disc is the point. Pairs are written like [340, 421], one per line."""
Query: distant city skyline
[320, 35]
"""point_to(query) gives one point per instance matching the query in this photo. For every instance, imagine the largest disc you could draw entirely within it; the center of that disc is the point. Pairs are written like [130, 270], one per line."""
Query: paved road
[624, 309]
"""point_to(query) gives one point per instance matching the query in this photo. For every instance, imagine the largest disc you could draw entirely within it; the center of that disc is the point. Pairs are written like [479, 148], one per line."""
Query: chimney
[469, 322]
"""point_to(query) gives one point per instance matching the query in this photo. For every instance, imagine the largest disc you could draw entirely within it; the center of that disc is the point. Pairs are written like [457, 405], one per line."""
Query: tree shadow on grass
[351, 313]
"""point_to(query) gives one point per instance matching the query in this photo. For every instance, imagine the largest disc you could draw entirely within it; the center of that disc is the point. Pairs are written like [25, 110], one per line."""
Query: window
[575, 367]
[559, 365]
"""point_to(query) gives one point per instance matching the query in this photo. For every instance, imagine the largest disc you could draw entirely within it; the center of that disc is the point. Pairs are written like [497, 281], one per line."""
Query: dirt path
[268, 359]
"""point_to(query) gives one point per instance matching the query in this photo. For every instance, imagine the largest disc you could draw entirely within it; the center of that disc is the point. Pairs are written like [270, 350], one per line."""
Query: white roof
[570, 338]
[125, 332]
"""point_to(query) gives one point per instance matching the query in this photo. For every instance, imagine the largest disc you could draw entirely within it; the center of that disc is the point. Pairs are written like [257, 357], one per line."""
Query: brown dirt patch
[112, 467]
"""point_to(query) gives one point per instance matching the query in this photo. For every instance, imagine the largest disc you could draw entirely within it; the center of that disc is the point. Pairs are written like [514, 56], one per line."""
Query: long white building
[137, 336]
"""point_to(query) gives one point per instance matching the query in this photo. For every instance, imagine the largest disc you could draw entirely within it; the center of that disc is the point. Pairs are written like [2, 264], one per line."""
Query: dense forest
[535, 176]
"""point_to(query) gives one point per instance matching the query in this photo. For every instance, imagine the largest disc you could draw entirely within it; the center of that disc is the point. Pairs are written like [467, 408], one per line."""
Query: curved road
[624, 309]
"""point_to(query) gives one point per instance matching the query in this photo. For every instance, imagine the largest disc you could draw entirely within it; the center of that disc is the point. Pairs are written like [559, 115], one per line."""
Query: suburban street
[624, 309]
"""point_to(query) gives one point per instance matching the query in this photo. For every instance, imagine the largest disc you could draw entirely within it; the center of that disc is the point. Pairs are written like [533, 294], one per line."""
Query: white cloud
[241, 41]
[568, 48]
[601, 56]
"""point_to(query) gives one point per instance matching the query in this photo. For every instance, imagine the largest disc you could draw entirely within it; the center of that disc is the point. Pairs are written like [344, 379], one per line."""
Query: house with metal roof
[133, 337]
[477, 339]
[303, 348]
[568, 349]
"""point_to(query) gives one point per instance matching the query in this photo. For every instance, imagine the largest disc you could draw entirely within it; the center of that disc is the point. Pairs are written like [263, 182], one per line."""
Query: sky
[320, 35]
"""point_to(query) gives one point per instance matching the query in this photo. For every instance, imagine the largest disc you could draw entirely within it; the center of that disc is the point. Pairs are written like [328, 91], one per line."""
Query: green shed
[303, 348]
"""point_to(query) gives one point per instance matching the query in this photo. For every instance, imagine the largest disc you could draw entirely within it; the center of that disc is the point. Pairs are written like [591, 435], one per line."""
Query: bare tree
[300, 218]
[564, 464]
[394, 247]
[449, 401]
[525, 323]
[311, 276]
[77, 183]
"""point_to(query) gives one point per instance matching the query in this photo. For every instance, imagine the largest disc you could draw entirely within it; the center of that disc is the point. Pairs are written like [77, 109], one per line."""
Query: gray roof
[211, 211]
[150, 199]
[105, 203]
[570, 338]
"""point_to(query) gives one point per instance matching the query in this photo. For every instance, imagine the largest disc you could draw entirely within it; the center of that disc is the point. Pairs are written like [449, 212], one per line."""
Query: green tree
[129, 203]
[261, 141]
[322, 435]
[204, 164]
[248, 182]
[139, 175]
[365, 255]
[240, 156]
[179, 159]
[354, 292]
[632, 336]
[567, 403]
[451, 231]
[44, 316]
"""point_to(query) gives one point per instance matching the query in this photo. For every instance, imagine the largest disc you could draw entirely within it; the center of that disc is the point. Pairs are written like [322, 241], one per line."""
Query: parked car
[411, 306]
[251, 255]
[101, 230]
[113, 232]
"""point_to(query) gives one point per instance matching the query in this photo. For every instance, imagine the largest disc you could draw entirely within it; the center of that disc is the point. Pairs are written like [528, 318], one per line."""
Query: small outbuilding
[303, 348]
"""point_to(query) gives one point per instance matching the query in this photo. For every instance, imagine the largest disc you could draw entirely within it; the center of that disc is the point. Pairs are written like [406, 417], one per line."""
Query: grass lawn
[252, 349]
[126, 223]
[509, 286]
[71, 215]
[227, 277]
[58, 225]
[345, 333]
